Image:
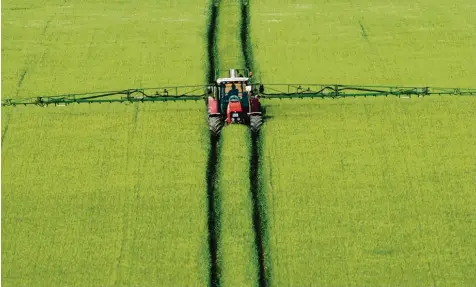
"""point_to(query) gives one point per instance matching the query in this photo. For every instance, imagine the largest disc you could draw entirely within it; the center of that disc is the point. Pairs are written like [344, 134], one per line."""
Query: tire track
[126, 228]
[213, 210]
[246, 47]
[22, 77]
[5, 130]
[23, 73]
[363, 31]
[213, 200]
[260, 227]
[258, 200]
[212, 40]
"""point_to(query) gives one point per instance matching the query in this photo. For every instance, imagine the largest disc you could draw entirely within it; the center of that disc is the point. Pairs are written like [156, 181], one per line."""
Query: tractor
[234, 100]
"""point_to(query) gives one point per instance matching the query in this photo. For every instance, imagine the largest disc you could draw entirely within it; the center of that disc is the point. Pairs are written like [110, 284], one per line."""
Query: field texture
[237, 246]
[228, 37]
[377, 42]
[103, 195]
[372, 192]
[369, 192]
[93, 200]
[356, 192]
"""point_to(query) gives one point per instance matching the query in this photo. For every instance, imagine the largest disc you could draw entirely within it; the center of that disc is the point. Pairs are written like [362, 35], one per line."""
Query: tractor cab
[233, 94]
[231, 99]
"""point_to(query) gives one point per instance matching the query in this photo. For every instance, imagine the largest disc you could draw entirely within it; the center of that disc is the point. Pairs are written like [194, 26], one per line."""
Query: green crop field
[94, 195]
[375, 42]
[237, 254]
[103, 195]
[354, 192]
[372, 192]
[369, 192]
[229, 46]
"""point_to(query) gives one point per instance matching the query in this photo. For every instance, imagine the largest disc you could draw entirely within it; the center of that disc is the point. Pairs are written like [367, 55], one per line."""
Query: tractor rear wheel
[214, 125]
[255, 122]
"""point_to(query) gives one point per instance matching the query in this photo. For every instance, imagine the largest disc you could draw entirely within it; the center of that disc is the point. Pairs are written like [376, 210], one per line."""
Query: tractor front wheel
[255, 122]
[214, 125]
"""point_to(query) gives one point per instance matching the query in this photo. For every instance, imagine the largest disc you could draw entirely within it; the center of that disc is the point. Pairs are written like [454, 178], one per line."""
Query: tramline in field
[234, 98]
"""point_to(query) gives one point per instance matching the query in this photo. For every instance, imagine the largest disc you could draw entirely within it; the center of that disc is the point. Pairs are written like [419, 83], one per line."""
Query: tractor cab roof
[237, 79]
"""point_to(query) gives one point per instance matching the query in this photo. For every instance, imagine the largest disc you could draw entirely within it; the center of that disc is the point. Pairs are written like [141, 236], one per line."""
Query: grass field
[372, 192]
[369, 192]
[228, 41]
[376, 191]
[102, 195]
[102, 201]
[237, 246]
[53, 48]
[378, 42]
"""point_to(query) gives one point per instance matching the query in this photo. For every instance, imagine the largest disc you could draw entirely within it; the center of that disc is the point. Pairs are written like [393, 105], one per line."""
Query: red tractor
[232, 100]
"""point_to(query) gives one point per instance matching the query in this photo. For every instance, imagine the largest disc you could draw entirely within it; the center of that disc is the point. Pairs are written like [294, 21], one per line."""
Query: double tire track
[256, 190]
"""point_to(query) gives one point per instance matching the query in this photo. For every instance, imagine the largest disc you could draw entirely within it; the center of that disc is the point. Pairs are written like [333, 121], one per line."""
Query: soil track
[212, 161]
[246, 47]
[259, 210]
[259, 203]
[256, 190]
[211, 41]
[213, 210]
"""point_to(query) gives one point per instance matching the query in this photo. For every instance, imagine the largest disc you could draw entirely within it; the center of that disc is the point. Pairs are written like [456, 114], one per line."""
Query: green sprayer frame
[121, 96]
[289, 91]
[200, 92]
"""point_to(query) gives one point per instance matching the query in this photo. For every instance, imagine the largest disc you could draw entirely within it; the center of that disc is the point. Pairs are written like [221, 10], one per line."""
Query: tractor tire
[255, 122]
[214, 125]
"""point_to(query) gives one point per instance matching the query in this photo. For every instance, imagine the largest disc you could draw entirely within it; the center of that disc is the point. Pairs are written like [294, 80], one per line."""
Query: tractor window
[234, 89]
